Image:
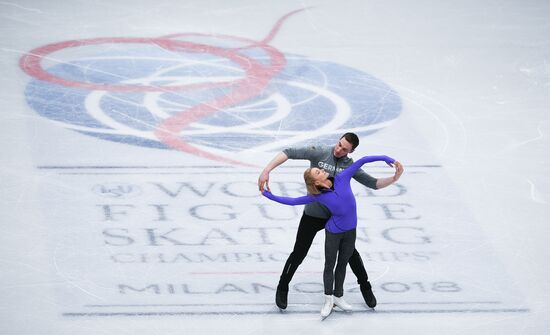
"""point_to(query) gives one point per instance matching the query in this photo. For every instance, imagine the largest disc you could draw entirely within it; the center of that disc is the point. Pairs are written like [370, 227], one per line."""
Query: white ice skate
[340, 302]
[327, 307]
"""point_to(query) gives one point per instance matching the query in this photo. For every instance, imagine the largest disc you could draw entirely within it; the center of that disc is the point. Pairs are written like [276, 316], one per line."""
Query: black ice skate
[366, 291]
[281, 297]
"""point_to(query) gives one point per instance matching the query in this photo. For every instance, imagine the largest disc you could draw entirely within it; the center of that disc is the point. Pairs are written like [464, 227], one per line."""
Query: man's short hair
[352, 139]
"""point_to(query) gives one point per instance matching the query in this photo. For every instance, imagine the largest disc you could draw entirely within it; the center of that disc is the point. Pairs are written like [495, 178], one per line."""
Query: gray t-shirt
[322, 157]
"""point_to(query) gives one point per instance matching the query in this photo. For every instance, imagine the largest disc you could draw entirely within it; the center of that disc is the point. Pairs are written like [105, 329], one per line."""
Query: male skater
[315, 216]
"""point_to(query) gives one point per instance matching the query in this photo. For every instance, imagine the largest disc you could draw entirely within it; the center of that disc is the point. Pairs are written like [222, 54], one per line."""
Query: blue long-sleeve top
[340, 201]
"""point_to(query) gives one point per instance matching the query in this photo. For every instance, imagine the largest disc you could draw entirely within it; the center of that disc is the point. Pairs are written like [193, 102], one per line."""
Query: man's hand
[263, 181]
[398, 171]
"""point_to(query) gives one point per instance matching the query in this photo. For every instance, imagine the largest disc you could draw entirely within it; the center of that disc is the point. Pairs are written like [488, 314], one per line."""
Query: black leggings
[308, 228]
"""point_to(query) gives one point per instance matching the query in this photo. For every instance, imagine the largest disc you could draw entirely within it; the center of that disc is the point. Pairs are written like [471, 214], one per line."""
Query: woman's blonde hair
[310, 183]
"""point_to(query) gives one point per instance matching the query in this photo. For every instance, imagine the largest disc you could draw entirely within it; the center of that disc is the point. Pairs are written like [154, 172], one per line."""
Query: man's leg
[358, 268]
[308, 228]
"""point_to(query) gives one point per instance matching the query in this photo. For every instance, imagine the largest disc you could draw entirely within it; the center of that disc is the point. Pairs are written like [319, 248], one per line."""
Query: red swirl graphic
[257, 77]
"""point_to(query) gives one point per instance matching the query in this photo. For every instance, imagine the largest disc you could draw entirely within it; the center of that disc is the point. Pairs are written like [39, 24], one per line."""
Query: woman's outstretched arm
[350, 170]
[288, 200]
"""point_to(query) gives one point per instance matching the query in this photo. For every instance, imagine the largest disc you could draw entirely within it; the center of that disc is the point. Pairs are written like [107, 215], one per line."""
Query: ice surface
[133, 134]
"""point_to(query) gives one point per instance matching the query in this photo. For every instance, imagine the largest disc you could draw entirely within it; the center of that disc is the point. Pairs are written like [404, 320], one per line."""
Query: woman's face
[319, 175]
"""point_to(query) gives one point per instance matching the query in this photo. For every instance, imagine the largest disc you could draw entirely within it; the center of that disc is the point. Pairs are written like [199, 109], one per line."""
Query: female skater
[340, 229]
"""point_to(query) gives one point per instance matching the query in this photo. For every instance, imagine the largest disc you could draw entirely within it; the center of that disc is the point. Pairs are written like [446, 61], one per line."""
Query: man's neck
[338, 158]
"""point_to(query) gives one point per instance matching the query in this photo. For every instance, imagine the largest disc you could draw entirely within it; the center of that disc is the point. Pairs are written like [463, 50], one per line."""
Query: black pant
[309, 226]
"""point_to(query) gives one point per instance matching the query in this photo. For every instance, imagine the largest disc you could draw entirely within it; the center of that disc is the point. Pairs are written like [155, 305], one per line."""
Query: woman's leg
[347, 246]
[332, 244]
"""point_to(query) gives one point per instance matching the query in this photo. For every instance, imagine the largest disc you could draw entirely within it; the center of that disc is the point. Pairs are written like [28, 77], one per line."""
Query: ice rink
[133, 134]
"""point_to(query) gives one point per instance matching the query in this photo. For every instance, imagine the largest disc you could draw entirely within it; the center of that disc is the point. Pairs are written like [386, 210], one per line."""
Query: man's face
[342, 148]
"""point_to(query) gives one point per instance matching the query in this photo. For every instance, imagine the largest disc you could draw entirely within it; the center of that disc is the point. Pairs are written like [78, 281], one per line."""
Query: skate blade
[340, 309]
[324, 317]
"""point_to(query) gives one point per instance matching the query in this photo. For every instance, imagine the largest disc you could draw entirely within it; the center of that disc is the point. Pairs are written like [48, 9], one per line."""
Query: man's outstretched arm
[383, 182]
[263, 180]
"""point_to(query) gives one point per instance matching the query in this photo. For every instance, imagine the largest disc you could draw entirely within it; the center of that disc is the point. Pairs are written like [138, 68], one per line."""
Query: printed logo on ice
[207, 95]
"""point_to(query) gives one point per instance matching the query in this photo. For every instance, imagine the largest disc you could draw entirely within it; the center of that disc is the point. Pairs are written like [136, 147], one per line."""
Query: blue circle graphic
[308, 101]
